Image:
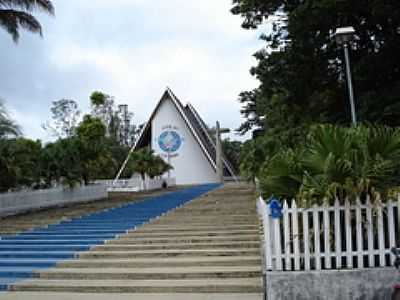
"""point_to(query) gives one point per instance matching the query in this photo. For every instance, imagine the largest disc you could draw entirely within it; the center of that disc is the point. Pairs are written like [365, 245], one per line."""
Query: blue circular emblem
[169, 141]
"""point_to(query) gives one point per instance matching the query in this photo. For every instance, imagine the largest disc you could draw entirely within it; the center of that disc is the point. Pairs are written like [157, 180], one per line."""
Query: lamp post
[343, 36]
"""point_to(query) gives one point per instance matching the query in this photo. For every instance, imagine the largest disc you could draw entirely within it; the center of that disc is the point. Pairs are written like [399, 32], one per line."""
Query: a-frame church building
[179, 135]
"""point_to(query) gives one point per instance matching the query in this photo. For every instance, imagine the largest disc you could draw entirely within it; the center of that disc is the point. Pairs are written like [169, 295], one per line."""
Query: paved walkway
[206, 249]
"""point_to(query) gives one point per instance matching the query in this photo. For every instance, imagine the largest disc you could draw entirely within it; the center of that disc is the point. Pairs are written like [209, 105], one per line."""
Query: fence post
[286, 236]
[360, 260]
[349, 240]
[306, 240]
[267, 233]
[327, 244]
[277, 243]
[392, 239]
[295, 235]
[338, 235]
[317, 244]
[398, 215]
[370, 233]
[381, 237]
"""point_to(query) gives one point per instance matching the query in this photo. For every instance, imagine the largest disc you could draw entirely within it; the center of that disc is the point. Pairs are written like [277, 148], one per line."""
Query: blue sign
[275, 208]
[170, 141]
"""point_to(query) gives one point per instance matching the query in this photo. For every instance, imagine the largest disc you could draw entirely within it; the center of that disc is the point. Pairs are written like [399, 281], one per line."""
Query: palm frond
[13, 20]
[28, 5]
[7, 125]
[15, 14]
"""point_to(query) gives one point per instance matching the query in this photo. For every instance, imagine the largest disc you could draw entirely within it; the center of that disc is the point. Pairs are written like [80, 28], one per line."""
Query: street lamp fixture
[344, 36]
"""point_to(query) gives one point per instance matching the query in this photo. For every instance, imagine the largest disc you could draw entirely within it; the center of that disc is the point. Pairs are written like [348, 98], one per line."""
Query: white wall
[17, 202]
[191, 165]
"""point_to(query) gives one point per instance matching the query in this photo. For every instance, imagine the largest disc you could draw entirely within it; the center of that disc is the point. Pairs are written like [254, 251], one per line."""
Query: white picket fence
[336, 237]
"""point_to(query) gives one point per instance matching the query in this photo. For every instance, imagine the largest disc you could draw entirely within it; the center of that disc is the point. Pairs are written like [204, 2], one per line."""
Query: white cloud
[133, 49]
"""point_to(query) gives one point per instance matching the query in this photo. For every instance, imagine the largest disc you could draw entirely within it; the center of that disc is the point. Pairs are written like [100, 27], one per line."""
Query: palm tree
[145, 162]
[16, 14]
[7, 126]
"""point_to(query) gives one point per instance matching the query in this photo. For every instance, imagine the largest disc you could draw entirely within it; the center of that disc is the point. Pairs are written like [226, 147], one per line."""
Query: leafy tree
[232, 152]
[91, 135]
[252, 155]
[303, 66]
[17, 14]
[65, 115]
[50, 164]
[7, 126]
[103, 107]
[117, 121]
[19, 160]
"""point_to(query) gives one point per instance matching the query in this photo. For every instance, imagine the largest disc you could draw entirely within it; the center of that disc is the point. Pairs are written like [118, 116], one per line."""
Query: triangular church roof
[197, 128]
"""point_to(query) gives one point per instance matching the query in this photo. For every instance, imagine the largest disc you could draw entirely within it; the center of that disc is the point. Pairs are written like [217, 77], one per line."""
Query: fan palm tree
[336, 162]
[145, 162]
[7, 126]
[16, 14]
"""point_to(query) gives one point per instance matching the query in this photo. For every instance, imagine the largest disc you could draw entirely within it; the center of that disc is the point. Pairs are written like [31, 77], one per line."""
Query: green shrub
[335, 162]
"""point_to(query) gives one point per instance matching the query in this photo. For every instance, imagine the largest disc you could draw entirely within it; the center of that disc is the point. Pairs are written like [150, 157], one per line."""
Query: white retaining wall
[18, 202]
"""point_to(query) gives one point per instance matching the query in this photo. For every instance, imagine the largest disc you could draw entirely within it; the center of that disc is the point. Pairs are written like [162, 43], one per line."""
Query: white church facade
[179, 135]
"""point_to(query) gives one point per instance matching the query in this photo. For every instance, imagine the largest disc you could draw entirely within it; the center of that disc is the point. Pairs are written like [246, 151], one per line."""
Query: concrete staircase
[206, 249]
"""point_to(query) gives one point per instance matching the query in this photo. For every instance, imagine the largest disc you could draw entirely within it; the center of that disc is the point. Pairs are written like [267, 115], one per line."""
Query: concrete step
[207, 245]
[216, 222]
[154, 262]
[191, 233]
[187, 239]
[208, 217]
[214, 212]
[150, 274]
[128, 296]
[231, 285]
[168, 228]
[170, 253]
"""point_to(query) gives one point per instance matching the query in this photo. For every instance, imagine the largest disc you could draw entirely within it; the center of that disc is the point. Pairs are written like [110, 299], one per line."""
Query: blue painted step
[51, 242]
[40, 248]
[43, 247]
[61, 237]
[33, 254]
[31, 263]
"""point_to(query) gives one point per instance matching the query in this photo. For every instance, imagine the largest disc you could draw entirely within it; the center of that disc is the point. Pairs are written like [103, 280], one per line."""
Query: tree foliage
[118, 121]
[19, 159]
[336, 162]
[7, 126]
[145, 162]
[65, 115]
[231, 151]
[301, 74]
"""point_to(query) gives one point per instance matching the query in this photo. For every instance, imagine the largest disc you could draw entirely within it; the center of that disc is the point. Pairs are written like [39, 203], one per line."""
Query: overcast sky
[133, 50]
